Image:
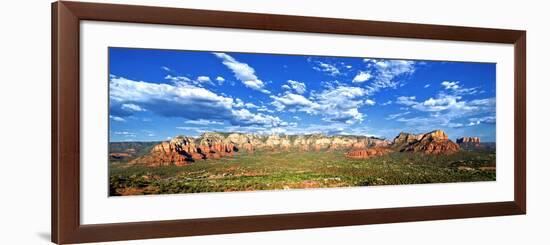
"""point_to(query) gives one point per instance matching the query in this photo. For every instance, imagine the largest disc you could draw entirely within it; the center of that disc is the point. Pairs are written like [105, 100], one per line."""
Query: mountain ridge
[183, 150]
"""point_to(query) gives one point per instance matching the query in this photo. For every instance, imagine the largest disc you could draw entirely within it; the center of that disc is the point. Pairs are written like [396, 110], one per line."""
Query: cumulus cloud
[450, 85]
[338, 104]
[445, 108]
[361, 77]
[220, 80]
[456, 88]
[294, 102]
[183, 100]
[178, 79]
[204, 79]
[370, 102]
[243, 72]
[327, 68]
[386, 73]
[341, 104]
[299, 87]
[406, 100]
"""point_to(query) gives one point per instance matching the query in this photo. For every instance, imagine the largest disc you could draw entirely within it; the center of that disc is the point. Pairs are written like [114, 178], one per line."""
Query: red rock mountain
[435, 142]
[183, 150]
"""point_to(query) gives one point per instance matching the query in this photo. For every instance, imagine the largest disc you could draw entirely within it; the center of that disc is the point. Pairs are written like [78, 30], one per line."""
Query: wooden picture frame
[65, 181]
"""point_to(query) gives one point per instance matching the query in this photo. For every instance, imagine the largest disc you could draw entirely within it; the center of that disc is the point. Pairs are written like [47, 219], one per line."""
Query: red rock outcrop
[367, 153]
[468, 140]
[435, 142]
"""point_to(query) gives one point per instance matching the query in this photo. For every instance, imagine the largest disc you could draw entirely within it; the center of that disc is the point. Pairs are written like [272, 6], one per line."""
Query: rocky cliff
[435, 142]
[183, 150]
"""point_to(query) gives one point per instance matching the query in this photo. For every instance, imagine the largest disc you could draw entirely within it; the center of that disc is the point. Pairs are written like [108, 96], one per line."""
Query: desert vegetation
[212, 163]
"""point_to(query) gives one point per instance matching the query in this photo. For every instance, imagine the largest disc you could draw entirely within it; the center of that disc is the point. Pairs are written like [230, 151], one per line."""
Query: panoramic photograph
[211, 121]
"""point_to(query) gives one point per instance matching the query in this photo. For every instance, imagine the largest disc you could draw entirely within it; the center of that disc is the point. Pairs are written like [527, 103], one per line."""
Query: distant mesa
[468, 140]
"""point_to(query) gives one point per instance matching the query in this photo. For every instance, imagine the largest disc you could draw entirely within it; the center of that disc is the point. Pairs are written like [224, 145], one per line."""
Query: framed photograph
[176, 122]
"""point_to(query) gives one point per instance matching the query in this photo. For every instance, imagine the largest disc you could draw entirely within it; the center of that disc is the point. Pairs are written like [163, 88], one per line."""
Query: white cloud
[485, 120]
[386, 73]
[183, 100]
[338, 104]
[285, 86]
[370, 102]
[394, 116]
[406, 100]
[361, 77]
[165, 68]
[204, 79]
[450, 85]
[341, 104]
[178, 79]
[117, 119]
[294, 102]
[243, 72]
[326, 68]
[458, 89]
[299, 87]
[250, 106]
[203, 122]
[131, 107]
[455, 125]
[445, 108]
[427, 86]
[389, 102]
[245, 117]
[220, 80]
[125, 133]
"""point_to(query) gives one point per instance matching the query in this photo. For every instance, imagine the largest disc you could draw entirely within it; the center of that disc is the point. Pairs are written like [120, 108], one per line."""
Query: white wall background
[25, 125]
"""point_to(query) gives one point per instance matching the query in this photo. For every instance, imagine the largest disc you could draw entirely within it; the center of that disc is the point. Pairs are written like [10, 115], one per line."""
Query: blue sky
[158, 94]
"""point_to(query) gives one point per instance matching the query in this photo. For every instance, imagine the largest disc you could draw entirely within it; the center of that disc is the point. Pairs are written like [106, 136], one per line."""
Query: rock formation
[435, 142]
[367, 153]
[183, 150]
[468, 140]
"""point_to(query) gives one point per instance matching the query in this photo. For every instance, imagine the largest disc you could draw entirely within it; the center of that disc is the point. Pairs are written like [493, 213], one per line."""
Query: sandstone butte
[435, 142]
[183, 150]
[468, 140]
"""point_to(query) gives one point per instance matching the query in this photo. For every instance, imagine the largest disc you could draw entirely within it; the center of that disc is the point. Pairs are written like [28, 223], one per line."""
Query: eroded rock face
[435, 142]
[183, 150]
[179, 151]
[367, 153]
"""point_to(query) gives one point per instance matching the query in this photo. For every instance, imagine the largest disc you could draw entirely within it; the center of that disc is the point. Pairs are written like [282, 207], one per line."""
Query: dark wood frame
[66, 17]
